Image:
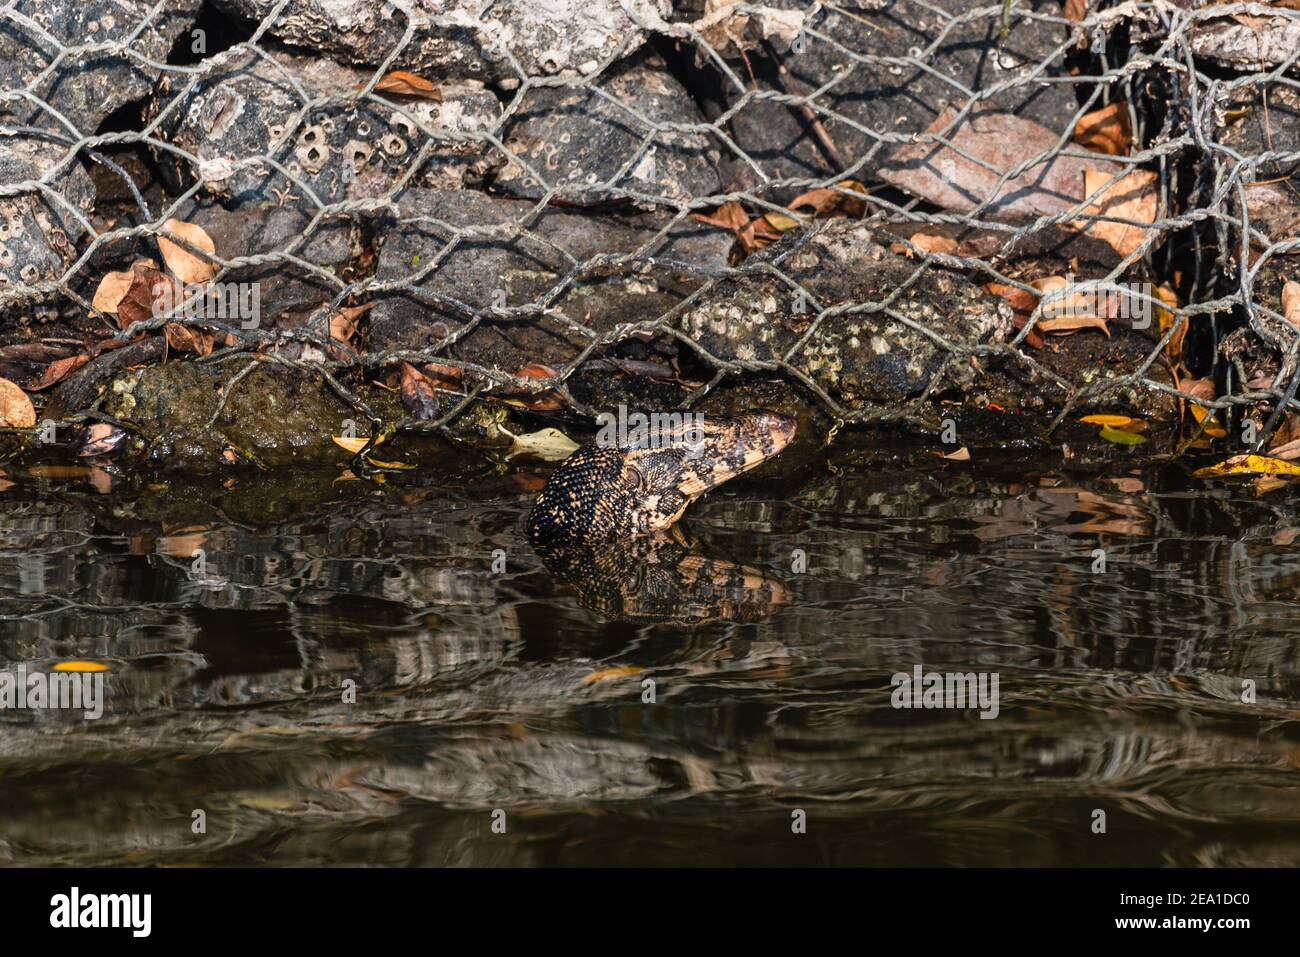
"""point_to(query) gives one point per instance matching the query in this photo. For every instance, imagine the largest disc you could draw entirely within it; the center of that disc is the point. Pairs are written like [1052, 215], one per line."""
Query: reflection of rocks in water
[663, 578]
[480, 689]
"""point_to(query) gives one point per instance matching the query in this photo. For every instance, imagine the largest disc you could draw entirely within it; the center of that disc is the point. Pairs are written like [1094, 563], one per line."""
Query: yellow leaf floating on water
[550, 445]
[608, 673]
[82, 666]
[1248, 465]
[1209, 424]
[1119, 437]
[354, 444]
[1125, 423]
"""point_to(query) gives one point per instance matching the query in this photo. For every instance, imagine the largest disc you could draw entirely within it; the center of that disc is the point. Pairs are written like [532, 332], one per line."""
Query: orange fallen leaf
[394, 466]
[419, 394]
[1166, 318]
[832, 201]
[58, 370]
[184, 338]
[757, 234]
[926, 243]
[1206, 419]
[1291, 302]
[354, 444]
[403, 83]
[151, 292]
[1068, 324]
[1106, 130]
[16, 410]
[1022, 302]
[1125, 423]
[443, 377]
[730, 216]
[1131, 197]
[82, 666]
[1287, 452]
[112, 288]
[343, 323]
[186, 266]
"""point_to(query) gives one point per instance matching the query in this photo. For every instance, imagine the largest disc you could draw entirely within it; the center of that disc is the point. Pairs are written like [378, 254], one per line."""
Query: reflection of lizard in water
[586, 521]
[663, 576]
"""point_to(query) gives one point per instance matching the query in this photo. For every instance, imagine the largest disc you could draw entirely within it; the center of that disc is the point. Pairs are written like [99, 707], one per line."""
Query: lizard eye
[638, 477]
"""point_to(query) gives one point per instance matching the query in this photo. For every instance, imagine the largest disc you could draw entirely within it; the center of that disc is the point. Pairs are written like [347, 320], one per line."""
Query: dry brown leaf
[443, 377]
[757, 234]
[1022, 302]
[1075, 304]
[1287, 452]
[188, 339]
[147, 287]
[1269, 483]
[730, 216]
[723, 26]
[1106, 130]
[59, 370]
[402, 83]
[926, 243]
[1166, 318]
[1198, 388]
[1132, 197]
[961, 455]
[1291, 302]
[354, 444]
[1076, 10]
[343, 323]
[1068, 324]
[186, 266]
[16, 410]
[419, 395]
[551, 445]
[832, 202]
[781, 222]
[111, 289]
[547, 401]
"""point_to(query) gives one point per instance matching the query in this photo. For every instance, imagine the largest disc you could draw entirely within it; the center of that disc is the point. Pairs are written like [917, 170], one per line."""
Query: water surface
[487, 681]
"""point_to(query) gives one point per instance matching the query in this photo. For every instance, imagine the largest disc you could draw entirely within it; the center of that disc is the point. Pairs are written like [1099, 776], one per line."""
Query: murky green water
[480, 690]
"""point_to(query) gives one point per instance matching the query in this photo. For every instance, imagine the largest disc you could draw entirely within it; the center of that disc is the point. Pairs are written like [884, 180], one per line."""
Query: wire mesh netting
[1038, 205]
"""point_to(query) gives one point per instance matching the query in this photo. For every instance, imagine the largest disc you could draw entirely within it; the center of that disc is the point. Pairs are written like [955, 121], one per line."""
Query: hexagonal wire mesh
[653, 118]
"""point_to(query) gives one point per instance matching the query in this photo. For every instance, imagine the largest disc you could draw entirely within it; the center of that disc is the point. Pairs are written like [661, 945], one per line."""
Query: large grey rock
[862, 357]
[37, 232]
[1248, 43]
[247, 109]
[289, 287]
[85, 85]
[457, 37]
[577, 139]
[870, 86]
[512, 266]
